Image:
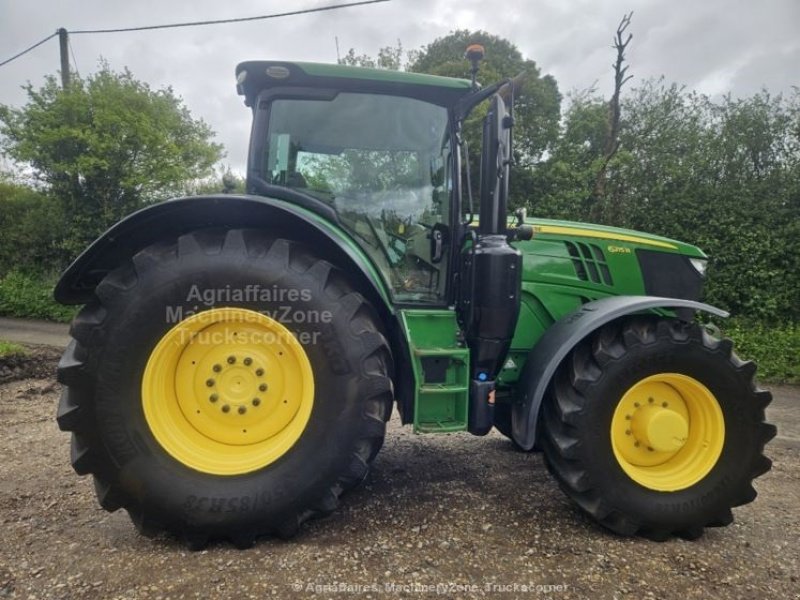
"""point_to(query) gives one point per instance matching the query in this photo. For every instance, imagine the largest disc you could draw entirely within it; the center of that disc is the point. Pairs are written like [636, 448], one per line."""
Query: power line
[195, 24]
[36, 45]
[221, 21]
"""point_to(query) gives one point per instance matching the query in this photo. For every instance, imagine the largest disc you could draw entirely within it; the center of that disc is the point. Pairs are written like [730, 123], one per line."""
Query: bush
[775, 348]
[31, 230]
[31, 296]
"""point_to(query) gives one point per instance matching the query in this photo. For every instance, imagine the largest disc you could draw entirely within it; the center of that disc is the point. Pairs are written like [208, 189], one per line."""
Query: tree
[611, 146]
[389, 57]
[537, 100]
[105, 147]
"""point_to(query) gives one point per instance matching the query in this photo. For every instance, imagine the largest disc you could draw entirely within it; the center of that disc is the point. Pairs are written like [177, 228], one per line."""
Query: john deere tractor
[237, 356]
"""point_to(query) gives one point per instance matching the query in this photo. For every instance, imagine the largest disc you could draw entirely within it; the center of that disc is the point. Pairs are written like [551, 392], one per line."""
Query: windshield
[382, 162]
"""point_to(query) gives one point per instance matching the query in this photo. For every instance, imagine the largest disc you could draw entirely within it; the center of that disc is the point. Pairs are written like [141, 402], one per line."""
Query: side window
[383, 163]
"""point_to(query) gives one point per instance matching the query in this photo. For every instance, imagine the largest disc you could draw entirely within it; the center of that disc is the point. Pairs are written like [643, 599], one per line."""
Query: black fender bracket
[545, 357]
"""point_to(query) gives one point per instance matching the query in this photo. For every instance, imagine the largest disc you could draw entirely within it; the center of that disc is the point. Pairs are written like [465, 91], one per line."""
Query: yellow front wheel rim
[667, 432]
[227, 391]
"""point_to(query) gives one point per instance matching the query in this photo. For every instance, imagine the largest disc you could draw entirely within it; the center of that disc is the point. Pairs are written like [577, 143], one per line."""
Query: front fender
[559, 340]
[170, 219]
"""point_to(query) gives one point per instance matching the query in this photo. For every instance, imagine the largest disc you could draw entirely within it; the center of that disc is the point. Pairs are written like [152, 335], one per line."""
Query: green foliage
[223, 181]
[721, 174]
[537, 101]
[390, 58]
[31, 226]
[776, 349]
[105, 147]
[31, 296]
[11, 349]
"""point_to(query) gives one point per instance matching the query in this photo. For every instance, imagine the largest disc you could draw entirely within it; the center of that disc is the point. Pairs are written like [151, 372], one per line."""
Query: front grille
[590, 263]
[669, 275]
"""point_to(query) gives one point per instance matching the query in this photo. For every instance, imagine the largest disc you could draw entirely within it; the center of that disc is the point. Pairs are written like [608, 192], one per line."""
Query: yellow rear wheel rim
[667, 432]
[227, 391]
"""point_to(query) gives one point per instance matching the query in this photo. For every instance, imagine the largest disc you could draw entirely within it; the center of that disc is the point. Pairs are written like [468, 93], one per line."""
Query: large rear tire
[225, 385]
[656, 428]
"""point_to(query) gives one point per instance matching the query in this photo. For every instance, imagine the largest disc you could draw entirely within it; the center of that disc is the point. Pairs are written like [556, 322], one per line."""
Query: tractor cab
[378, 148]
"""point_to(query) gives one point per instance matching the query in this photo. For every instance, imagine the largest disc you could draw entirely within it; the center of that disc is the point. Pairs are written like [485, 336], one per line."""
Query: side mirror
[495, 167]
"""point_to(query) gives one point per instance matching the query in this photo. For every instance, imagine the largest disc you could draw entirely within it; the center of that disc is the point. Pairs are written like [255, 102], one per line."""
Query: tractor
[237, 357]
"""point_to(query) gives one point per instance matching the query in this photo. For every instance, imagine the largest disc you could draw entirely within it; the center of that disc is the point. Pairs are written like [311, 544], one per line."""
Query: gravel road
[454, 516]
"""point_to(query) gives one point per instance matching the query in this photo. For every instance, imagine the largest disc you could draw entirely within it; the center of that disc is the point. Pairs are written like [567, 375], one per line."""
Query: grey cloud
[715, 45]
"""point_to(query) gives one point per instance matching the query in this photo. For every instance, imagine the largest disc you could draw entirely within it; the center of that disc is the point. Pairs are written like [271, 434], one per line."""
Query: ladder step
[442, 389]
[459, 354]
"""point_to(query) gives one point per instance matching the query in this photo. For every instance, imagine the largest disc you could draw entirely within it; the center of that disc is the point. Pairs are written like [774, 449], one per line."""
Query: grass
[775, 348]
[11, 349]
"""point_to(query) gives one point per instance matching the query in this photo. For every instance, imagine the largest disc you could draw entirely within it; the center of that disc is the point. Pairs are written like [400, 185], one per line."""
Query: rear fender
[168, 220]
[559, 340]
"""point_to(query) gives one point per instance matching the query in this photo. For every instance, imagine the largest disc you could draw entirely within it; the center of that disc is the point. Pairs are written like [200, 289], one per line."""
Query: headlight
[699, 264]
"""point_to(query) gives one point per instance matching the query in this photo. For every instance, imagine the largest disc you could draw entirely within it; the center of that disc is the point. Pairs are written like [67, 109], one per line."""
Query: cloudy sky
[714, 46]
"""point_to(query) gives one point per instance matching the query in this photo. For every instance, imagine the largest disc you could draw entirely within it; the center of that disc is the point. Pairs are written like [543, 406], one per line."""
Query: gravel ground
[448, 515]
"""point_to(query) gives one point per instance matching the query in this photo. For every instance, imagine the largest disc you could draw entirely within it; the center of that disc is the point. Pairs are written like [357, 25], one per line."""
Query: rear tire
[103, 403]
[695, 483]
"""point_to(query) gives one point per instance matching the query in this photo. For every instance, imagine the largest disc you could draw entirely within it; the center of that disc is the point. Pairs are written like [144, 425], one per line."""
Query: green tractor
[238, 356]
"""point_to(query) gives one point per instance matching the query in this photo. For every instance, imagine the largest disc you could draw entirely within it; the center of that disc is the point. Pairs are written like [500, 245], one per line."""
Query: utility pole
[63, 43]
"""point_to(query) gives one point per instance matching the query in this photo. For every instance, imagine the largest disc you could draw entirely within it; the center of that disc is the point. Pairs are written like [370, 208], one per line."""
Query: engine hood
[627, 238]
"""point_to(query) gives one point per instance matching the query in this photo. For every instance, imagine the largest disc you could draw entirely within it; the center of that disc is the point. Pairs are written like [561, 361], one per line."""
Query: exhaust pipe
[491, 273]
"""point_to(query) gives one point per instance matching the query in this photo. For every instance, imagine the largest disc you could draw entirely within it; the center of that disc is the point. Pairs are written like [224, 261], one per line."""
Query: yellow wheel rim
[667, 432]
[227, 391]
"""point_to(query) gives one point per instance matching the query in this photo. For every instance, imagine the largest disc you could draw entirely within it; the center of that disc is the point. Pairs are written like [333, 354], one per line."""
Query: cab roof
[252, 77]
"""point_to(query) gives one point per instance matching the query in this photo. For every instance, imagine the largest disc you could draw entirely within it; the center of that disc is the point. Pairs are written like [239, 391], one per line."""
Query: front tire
[656, 428]
[207, 435]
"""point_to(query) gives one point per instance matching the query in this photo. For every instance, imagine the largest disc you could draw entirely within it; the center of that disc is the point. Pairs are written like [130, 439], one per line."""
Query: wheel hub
[659, 428]
[667, 431]
[227, 391]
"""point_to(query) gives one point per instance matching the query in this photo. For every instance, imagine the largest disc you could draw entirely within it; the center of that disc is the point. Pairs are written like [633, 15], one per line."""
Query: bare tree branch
[611, 147]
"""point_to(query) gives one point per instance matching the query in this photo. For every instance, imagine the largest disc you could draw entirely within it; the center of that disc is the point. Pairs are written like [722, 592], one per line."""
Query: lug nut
[256, 401]
[226, 408]
[231, 359]
[213, 397]
[210, 382]
[627, 432]
[242, 410]
[248, 361]
[259, 372]
[263, 387]
[217, 368]
[636, 404]
[650, 400]
[664, 404]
